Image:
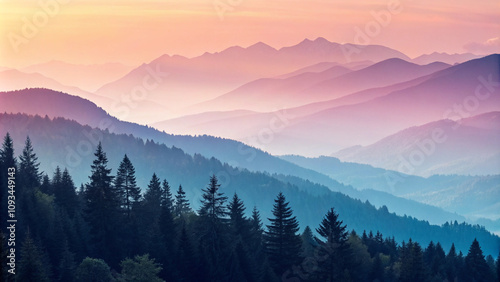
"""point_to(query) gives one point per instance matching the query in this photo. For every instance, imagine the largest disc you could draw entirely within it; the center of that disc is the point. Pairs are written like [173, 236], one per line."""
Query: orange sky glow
[133, 32]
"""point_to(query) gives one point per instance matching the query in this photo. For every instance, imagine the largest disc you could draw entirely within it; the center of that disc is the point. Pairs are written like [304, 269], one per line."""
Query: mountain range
[415, 137]
[367, 116]
[309, 200]
[466, 146]
[374, 182]
[182, 82]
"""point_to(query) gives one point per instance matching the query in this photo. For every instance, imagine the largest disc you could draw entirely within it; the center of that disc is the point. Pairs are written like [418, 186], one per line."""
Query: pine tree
[213, 231]
[65, 192]
[412, 263]
[29, 178]
[476, 267]
[437, 266]
[46, 186]
[308, 242]
[125, 183]
[153, 198]
[181, 203]
[168, 230]
[490, 261]
[451, 264]
[151, 218]
[29, 167]
[283, 244]
[335, 248]
[239, 225]
[167, 198]
[31, 267]
[102, 205]
[241, 231]
[7, 161]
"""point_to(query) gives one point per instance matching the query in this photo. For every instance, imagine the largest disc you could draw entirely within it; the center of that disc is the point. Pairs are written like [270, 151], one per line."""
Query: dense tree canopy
[110, 232]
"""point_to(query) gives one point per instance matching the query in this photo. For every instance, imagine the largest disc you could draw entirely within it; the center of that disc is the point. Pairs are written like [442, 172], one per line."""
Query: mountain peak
[260, 46]
[321, 40]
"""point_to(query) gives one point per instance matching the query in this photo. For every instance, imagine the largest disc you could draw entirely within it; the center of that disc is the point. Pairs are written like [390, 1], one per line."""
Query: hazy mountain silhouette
[448, 192]
[466, 146]
[55, 104]
[305, 88]
[330, 130]
[445, 58]
[15, 80]
[86, 77]
[319, 67]
[182, 81]
[49, 137]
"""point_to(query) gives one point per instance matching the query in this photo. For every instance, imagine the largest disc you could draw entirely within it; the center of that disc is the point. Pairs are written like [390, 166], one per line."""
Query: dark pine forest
[110, 229]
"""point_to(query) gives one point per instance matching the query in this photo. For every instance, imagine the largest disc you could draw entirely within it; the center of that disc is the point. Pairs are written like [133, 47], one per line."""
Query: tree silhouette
[334, 248]
[181, 203]
[475, 265]
[283, 244]
[125, 183]
[102, 207]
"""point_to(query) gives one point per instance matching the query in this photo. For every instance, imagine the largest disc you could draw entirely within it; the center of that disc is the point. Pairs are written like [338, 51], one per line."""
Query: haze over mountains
[466, 146]
[305, 88]
[367, 116]
[86, 77]
[182, 81]
[379, 187]
[370, 114]
[254, 188]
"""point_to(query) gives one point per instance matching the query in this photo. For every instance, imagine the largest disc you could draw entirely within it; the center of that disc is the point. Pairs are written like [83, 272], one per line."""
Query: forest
[109, 229]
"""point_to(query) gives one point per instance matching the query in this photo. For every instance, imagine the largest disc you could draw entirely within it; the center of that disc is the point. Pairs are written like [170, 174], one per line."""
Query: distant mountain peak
[321, 40]
[260, 46]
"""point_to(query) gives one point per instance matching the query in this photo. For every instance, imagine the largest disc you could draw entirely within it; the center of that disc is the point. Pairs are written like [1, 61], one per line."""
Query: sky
[134, 32]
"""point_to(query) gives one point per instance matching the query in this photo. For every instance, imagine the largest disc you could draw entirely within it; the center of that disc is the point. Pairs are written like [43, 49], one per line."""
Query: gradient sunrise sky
[133, 32]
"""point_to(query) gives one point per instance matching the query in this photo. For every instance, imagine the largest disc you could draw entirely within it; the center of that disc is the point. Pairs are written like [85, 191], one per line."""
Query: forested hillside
[310, 201]
[110, 230]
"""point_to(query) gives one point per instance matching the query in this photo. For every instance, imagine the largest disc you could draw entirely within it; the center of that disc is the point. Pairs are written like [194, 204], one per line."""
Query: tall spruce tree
[334, 248]
[181, 203]
[242, 237]
[168, 230]
[102, 208]
[7, 161]
[476, 268]
[153, 198]
[65, 193]
[212, 230]
[167, 200]
[151, 218]
[412, 263]
[125, 183]
[28, 179]
[283, 244]
[29, 167]
[239, 225]
[451, 264]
